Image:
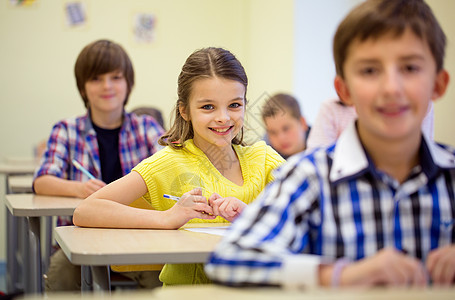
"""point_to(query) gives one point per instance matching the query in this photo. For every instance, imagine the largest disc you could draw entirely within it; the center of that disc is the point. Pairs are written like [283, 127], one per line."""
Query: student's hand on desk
[191, 205]
[388, 267]
[228, 208]
[89, 187]
[441, 265]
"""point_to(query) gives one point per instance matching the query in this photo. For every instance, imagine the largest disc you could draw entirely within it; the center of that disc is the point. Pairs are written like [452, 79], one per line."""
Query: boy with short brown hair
[286, 128]
[378, 207]
[106, 140]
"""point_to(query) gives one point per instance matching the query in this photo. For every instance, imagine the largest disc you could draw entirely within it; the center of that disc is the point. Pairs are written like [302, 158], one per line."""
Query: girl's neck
[225, 160]
[107, 120]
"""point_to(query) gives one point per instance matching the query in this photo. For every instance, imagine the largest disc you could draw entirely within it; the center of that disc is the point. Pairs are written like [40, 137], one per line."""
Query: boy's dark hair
[101, 57]
[375, 18]
[202, 64]
[279, 104]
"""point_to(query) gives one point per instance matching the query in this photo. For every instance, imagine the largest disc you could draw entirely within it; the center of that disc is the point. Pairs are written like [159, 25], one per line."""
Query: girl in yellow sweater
[204, 162]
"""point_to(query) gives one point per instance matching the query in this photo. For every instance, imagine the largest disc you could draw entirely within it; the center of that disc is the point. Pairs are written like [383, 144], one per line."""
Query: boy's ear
[303, 123]
[342, 90]
[183, 113]
[440, 86]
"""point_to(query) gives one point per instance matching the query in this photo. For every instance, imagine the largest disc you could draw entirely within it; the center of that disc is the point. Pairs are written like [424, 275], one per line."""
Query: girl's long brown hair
[204, 63]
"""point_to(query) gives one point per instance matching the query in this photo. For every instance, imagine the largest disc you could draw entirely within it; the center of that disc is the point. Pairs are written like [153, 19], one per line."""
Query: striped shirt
[332, 203]
[75, 138]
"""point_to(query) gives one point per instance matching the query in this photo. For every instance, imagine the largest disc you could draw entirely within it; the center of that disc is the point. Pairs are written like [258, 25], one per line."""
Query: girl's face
[216, 111]
[106, 93]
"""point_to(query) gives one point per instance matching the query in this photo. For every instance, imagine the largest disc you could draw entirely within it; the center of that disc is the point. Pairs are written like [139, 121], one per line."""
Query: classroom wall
[445, 107]
[38, 54]
[270, 57]
[314, 69]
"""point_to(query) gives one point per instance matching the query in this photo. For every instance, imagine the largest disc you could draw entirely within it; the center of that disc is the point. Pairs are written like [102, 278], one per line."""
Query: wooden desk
[92, 247]
[32, 207]
[19, 184]
[21, 160]
[228, 293]
[27, 168]
[198, 292]
[100, 246]
[15, 226]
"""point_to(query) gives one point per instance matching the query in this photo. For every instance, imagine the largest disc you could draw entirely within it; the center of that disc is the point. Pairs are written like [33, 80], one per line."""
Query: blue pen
[82, 169]
[175, 198]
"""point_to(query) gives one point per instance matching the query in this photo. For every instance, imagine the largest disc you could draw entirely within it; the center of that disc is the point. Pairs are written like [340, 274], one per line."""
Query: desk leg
[12, 252]
[35, 273]
[47, 242]
[101, 278]
[95, 278]
[86, 279]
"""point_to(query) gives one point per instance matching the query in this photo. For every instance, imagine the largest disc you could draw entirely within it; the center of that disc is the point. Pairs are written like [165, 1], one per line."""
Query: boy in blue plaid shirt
[377, 207]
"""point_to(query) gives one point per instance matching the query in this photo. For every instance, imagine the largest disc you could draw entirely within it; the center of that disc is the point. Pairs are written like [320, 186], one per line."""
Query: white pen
[175, 198]
[82, 169]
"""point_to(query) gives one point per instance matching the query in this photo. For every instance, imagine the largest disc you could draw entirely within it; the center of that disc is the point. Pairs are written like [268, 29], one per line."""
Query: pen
[175, 198]
[82, 169]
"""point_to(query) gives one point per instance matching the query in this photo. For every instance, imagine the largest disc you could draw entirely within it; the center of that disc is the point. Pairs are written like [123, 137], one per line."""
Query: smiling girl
[205, 162]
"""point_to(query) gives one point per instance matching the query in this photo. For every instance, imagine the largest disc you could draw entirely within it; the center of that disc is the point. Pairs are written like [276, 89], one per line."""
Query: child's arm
[388, 267]
[54, 177]
[441, 265]
[108, 207]
[228, 208]
[55, 186]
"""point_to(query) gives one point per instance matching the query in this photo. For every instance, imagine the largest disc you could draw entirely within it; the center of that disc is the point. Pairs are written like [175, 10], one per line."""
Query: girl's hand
[388, 267]
[228, 208]
[89, 187]
[441, 265]
[191, 205]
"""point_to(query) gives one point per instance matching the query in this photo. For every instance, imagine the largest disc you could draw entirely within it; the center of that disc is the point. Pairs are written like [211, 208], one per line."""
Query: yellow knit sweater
[176, 172]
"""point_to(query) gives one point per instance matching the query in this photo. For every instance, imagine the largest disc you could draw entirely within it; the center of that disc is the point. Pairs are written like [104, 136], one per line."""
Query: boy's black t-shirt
[111, 168]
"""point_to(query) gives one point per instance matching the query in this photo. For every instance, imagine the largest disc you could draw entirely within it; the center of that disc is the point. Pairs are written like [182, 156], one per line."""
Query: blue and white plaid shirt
[75, 138]
[332, 203]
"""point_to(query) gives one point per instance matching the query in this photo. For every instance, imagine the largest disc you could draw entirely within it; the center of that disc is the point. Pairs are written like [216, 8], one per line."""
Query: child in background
[334, 116]
[107, 141]
[286, 128]
[204, 162]
[378, 207]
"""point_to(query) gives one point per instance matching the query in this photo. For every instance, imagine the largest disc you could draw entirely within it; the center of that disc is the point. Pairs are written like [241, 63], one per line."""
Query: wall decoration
[22, 2]
[144, 27]
[75, 13]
